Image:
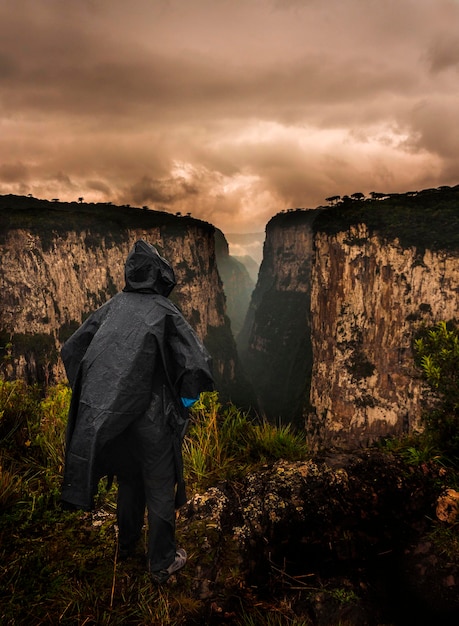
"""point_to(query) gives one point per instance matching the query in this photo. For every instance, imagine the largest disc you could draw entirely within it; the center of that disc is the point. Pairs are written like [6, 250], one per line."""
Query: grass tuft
[223, 442]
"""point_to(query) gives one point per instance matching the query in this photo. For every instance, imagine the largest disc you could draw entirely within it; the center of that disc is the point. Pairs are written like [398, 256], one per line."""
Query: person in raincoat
[134, 366]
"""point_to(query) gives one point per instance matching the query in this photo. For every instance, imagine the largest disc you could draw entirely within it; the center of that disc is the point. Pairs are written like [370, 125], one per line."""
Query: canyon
[60, 261]
[326, 342]
[342, 293]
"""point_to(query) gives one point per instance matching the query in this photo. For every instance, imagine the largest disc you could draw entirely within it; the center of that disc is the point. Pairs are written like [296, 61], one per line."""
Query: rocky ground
[349, 539]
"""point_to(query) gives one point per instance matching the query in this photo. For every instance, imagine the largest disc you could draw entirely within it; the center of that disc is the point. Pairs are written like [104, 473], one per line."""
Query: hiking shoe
[163, 575]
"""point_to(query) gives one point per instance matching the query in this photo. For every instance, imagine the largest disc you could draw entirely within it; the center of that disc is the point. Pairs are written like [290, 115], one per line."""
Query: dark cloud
[98, 185]
[435, 128]
[167, 191]
[231, 110]
[13, 172]
[444, 54]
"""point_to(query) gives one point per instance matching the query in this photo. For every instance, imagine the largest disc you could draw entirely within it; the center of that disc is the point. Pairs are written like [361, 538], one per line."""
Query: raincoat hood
[146, 271]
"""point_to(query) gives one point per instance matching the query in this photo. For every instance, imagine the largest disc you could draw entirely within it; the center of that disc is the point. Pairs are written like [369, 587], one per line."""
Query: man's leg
[130, 512]
[160, 481]
[120, 457]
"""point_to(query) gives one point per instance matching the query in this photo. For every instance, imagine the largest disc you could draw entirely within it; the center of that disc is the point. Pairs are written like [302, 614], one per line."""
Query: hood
[146, 271]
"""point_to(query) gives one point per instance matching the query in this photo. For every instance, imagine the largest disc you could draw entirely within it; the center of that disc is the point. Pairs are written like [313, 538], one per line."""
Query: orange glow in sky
[232, 110]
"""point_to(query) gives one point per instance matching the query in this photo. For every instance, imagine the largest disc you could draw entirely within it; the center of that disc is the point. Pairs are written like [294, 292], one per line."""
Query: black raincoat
[135, 355]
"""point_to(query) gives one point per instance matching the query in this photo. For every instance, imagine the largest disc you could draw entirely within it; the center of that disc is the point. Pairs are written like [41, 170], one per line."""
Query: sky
[231, 110]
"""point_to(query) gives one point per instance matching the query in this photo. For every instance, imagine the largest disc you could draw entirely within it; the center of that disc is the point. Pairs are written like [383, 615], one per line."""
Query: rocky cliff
[356, 524]
[369, 298]
[341, 294]
[61, 261]
[275, 341]
[237, 283]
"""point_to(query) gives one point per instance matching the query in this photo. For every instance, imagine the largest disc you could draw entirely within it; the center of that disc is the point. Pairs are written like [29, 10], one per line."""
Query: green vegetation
[32, 443]
[436, 447]
[38, 348]
[268, 618]
[60, 567]
[224, 442]
[96, 220]
[437, 354]
[425, 219]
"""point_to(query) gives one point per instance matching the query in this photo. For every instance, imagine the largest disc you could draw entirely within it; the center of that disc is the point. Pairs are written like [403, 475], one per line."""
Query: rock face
[369, 297]
[60, 262]
[341, 294]
[275, 341]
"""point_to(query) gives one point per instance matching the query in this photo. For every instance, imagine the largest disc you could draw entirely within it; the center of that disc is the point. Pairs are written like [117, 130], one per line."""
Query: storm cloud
[231, 110]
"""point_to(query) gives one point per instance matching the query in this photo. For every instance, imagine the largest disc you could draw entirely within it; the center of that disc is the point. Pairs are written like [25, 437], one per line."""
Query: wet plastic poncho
[135, 354]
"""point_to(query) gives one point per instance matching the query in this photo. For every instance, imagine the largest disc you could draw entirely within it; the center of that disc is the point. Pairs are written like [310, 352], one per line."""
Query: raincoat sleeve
[188, 362]
[75, 347]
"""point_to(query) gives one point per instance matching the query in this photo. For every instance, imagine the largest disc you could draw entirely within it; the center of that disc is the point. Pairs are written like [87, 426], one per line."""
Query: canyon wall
[275, 341]
[327, 339]
[369, 298]
[60, 262]
[341, 295]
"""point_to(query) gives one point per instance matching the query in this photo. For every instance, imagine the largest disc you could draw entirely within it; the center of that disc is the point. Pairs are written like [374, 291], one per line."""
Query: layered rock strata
[341, 295]
[369, 298]
[53, 275]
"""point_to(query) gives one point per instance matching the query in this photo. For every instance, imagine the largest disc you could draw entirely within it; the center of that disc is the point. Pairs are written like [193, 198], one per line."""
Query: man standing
[135, 366]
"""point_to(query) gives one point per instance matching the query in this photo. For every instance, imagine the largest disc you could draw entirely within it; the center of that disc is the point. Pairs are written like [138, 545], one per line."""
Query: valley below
[362, 529]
